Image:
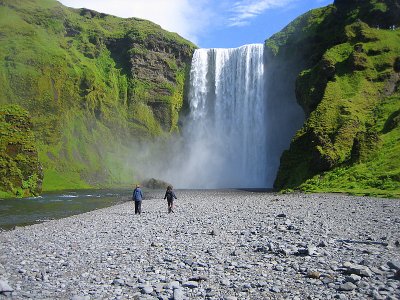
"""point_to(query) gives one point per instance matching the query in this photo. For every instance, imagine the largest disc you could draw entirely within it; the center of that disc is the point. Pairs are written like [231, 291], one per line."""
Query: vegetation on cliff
[348, 86]
[90, 84]
[20, 170]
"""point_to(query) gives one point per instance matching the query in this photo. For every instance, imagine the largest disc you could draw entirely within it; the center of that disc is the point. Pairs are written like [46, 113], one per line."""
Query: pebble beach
[218, 244]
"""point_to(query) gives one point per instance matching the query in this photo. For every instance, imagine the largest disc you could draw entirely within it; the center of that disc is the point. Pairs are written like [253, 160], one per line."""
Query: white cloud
[245, 10]
[192, 19]
[187, 18]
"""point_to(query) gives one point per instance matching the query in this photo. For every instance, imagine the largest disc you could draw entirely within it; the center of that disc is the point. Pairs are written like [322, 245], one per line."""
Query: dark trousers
[170, 204]
[138, 207]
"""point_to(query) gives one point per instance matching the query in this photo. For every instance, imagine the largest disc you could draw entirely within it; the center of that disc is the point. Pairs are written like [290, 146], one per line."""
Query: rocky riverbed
[217, 245]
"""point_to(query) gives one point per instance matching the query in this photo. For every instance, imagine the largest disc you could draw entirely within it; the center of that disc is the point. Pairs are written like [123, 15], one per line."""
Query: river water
[27, 211]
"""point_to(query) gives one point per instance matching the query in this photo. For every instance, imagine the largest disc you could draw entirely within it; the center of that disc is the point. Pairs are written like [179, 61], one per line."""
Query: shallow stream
[27, 211]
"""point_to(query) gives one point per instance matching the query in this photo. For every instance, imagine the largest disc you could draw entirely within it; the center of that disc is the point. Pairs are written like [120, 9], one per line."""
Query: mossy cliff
[21, 172]
[348, 55]
[84, 85]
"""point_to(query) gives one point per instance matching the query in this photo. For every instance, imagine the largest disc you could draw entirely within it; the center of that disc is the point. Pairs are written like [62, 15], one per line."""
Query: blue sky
[210, 23]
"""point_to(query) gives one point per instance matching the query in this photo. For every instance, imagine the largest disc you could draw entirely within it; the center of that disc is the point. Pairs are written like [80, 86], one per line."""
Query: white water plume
[225, 133]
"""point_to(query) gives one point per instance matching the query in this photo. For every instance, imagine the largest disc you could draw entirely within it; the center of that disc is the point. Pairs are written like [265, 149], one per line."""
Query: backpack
[136, 194]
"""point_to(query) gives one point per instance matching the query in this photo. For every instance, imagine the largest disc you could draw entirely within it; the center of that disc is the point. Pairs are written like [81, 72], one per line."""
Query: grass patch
[56, 181]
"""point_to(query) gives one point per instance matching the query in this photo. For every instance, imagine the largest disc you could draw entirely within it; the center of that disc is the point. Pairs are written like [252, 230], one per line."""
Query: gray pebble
[394, 264]
[275, 289]
[5, 287]
[353, 278]
[190, 284]
[147, 289]
[348, 286]
[178, 294]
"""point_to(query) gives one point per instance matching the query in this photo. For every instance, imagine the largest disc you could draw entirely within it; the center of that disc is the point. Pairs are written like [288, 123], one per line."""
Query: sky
[210, 23]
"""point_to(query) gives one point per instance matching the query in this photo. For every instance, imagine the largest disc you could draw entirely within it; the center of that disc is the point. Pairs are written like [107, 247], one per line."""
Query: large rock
[155, 184]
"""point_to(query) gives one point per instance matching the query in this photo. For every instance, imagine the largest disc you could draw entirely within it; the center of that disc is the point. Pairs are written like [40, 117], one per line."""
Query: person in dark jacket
[170, 195]
[137, 197]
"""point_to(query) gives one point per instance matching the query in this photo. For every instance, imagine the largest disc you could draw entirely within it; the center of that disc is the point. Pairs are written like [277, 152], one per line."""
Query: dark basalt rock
[154, 184]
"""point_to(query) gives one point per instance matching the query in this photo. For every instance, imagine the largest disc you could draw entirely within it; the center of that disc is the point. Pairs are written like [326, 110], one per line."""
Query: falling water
[226, 129]
[242, 115]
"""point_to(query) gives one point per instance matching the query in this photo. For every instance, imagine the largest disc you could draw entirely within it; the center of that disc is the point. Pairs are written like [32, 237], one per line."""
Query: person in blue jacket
[137, 197]
[170, 195]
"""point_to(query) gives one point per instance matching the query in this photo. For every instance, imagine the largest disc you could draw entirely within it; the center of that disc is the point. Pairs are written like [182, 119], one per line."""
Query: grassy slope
[349, 89]
[84, 103]
[357, 106]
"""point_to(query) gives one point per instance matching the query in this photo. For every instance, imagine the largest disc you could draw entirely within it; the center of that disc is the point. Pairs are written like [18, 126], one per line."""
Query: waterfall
[225, 133]
[241, 115]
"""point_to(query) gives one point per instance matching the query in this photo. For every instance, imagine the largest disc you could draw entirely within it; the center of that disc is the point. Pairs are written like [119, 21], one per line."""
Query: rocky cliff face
[349, 89]
[161, 66]
[92, 84]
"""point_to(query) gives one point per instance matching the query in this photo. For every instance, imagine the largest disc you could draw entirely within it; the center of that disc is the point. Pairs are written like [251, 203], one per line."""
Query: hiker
[137, 197]
[170, 195]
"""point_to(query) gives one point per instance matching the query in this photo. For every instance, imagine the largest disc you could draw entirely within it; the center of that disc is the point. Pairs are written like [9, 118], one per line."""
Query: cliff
[87, 85]
[346, 78]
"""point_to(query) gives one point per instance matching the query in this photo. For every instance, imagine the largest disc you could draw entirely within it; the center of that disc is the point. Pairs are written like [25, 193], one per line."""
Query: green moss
[351, 99]
[177, 99]
[21, 172]
[61, 180]
[5, 195]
